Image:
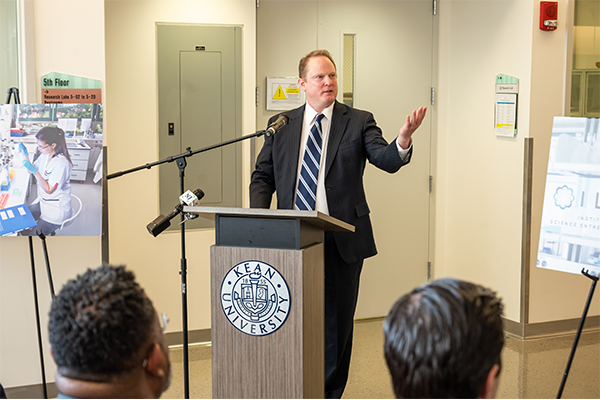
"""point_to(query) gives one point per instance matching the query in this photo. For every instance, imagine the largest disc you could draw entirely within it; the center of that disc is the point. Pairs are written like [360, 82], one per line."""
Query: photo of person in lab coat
[52, 171]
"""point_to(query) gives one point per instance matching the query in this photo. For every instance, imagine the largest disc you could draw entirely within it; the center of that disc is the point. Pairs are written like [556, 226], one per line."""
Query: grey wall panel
[199, 73]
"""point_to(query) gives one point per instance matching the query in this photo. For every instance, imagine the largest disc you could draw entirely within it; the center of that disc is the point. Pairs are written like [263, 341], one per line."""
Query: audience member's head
[443, 340]
[106, 338]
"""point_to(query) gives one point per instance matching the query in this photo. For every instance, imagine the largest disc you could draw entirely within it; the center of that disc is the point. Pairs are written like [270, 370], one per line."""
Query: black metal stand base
[578, 335]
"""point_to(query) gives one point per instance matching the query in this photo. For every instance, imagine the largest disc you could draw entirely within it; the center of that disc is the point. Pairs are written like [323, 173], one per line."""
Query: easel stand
[578, 335]
[180, 159]
[14, 92]
[47, 259]
[37, 317]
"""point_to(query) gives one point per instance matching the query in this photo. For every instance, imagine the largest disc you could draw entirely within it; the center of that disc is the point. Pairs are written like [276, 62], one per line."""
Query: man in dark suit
[326, 144]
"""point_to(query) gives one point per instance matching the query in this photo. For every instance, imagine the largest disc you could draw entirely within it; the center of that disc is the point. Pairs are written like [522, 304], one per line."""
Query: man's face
[320, 83]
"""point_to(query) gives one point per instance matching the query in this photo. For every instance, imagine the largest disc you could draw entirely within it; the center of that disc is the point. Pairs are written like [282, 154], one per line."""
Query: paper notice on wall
[506, 114]
[570, 229]
[506, 105]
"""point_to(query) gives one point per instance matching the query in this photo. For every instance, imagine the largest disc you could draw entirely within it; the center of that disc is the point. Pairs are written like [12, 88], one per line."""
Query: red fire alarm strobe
[548, 15]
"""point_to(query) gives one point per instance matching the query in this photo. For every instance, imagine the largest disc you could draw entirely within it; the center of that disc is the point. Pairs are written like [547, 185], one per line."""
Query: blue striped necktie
[306, 194]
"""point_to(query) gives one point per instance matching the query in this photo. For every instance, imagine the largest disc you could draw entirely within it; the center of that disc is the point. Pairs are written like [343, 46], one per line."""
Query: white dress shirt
[310, 116]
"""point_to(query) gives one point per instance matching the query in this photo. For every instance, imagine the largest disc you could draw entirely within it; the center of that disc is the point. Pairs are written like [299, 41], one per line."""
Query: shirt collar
[310, 113]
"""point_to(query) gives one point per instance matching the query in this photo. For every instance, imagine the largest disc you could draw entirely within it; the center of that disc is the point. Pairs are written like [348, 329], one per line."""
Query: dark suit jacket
[354, 137]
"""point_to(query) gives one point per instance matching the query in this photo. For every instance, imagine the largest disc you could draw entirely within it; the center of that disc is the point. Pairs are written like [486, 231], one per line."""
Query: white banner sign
[570, 231]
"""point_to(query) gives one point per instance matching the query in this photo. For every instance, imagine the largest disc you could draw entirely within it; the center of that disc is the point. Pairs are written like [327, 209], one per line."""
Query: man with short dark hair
[443, 340]
[106, 338]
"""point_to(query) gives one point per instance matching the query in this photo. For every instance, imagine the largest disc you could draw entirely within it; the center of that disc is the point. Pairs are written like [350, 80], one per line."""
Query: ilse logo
[255, 298]
[564, 197]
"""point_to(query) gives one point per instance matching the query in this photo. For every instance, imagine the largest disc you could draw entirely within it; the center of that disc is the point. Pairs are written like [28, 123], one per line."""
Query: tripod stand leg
[578, 335]
[37, 317]
[43, 238]
[13, 91]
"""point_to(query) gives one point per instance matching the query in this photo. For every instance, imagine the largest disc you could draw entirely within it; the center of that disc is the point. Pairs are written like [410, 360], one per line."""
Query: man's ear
[490, 386]
[157, 365]
[51, 352]
[302, 84]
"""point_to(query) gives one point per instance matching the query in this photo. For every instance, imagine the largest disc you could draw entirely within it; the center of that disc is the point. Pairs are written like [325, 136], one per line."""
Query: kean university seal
[255, 298]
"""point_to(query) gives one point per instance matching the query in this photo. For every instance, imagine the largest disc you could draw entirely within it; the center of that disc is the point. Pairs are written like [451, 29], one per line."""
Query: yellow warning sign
[283, 93]
[279, 95]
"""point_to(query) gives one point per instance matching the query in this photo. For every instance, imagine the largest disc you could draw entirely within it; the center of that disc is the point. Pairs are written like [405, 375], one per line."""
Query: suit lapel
[288, 141]
[336, 132]
[293, 137]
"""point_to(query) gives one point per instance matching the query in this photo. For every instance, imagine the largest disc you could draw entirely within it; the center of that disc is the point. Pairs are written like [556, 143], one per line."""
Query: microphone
[279, 123]
[193, 202]
[162, 222]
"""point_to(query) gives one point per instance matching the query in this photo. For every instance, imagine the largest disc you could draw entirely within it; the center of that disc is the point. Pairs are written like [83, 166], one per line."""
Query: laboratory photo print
[51, 169]
[570, 228]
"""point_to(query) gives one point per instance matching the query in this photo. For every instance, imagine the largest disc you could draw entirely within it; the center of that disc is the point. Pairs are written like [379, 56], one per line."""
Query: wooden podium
[267, 301]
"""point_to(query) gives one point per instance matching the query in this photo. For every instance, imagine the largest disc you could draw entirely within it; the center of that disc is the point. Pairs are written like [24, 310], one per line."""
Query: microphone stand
[180, 159]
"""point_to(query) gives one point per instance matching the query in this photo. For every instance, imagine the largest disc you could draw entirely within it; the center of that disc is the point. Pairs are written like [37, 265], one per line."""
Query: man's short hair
[100, 323]
[442, 339]
[314, 53]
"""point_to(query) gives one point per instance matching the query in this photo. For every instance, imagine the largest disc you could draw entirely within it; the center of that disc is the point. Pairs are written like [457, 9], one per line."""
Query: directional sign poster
[63, 89]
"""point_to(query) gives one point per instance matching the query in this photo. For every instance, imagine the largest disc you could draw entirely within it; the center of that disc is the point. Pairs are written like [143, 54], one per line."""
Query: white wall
[479, 185]
[131, 120]
[69, 38]
[480, 176]
[553, 295]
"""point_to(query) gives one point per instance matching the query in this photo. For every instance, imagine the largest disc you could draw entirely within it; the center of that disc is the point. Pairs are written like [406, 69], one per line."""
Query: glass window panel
[9, 64]
[592, 94]
[585, 85]
[576, 94]
[348, 84]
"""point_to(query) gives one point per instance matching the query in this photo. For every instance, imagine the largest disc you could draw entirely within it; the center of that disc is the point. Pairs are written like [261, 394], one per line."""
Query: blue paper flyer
[15, 219]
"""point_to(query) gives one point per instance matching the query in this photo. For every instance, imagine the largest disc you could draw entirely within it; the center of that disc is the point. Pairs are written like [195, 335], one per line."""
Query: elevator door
[392, 59]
